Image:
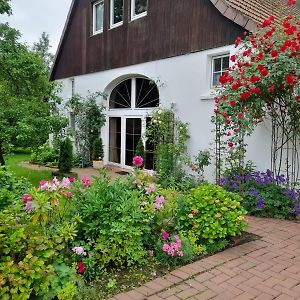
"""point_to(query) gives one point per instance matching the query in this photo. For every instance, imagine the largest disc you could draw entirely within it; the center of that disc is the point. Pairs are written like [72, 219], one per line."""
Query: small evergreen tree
[140, 150]
[97, 153]
[65, 162]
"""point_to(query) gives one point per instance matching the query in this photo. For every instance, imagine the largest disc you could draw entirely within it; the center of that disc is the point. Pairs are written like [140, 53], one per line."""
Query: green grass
[33, 176]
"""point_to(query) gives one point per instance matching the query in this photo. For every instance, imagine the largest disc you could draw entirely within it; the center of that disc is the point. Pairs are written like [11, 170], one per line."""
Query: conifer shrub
[65, 162]
[97, 150]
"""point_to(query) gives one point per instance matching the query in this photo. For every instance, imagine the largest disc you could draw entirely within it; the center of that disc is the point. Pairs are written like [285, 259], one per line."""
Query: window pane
[225, 63]
[147, 94]
[117, 11]
[217, 64]
[216, 78]
[133, 135]
[140, 6]
[98, 16]
[115, 140]
[121, 95]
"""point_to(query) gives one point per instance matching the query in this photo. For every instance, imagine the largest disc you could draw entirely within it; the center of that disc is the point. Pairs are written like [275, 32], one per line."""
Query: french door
[124, 135]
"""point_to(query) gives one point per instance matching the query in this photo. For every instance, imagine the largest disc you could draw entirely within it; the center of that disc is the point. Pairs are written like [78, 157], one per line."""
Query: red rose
[272, 89]
[245, 95]
[230, 144]
[254, 79]
[289, 78]
[240, 115]
[298, 98]
[232, 103]
[224, 114]
[264, 72]
[260, 67]
[274, 53]
[291, 2]
[233, 58]
[228, 121]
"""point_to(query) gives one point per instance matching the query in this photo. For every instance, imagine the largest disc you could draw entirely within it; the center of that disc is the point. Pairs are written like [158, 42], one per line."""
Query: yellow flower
[241, 218]
[233, 206]
[191, 216]
[217, 201]
[218, 215]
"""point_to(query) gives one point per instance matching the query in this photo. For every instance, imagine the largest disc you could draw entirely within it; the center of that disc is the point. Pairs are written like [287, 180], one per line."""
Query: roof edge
[235, 16]
[62, 38]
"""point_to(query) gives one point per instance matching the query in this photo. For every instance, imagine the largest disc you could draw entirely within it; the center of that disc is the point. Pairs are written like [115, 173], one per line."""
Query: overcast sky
[32, 17]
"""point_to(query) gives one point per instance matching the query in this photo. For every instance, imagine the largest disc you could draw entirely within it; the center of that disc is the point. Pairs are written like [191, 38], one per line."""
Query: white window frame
[133, 15]
[212, 69]
[94, 17]
[112, 6]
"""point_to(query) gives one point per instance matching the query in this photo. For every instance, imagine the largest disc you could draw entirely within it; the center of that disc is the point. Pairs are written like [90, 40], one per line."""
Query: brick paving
[268, 268]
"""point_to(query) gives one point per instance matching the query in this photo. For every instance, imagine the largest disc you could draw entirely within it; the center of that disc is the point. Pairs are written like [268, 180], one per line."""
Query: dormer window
[98, 10]
[116, 12]
[138, 8]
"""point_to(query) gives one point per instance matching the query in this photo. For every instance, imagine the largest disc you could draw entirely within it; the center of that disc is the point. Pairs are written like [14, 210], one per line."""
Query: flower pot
[97, 164]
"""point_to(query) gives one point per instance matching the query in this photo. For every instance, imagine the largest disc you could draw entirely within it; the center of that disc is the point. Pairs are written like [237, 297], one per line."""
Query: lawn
[33, 176]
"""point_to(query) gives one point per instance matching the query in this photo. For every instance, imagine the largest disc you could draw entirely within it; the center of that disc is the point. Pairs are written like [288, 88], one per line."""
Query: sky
[32, 17]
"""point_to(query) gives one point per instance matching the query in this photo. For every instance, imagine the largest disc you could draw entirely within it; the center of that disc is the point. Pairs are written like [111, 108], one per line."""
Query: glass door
[115, 136]
[133, 133]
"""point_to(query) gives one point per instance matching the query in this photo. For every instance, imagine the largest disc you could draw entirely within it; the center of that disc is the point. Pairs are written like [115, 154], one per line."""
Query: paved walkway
[264, 269]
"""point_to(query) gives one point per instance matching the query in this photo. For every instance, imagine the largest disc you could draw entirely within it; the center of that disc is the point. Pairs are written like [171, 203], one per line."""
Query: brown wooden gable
[171, 28]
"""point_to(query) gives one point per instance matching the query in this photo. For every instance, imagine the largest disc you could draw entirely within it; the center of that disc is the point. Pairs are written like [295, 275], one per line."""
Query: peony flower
[28, 207]
[65, 183]
[80, 267]
[86, 181]
[137, 161]
[72, 179]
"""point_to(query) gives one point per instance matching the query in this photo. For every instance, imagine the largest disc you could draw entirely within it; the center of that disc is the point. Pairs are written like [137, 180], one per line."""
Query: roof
[250, 13]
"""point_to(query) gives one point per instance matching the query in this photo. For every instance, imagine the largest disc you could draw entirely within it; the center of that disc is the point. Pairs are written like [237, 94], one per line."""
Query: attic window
[138, 8]
[220, 64]
[116, 12]
[98, 10]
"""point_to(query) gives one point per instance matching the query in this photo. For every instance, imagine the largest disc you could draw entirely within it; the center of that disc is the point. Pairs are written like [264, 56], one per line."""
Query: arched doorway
[131, 104]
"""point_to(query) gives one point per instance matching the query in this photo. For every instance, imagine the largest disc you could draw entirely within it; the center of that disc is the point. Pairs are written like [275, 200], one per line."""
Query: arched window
[134, 93]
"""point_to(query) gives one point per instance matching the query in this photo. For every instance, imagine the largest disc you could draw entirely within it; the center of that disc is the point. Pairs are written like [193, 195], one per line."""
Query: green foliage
[89, 119]
[65, 162]
[28, 111]
[215, 246]
[5, 7]
[140, 150]
[212, 213]
[169, 136]
[11, 189]
[97, 153]
[112, 218]
[45, 155]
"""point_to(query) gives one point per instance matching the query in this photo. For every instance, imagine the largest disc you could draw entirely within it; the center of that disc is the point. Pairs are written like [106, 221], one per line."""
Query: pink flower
[159, 202]
[79, 251]
[72, 179]
[137, 161]
[86, 181]
[26, 198]
[65, 183]
[165, 247]
[42, 182]
[180, 253]
[165, 235]
[28, 207]
[150, 189]
[68, 194]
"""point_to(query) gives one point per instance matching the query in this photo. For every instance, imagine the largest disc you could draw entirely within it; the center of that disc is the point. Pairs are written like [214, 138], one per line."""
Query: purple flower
[165, 235]
[260, 203]
[28, 207]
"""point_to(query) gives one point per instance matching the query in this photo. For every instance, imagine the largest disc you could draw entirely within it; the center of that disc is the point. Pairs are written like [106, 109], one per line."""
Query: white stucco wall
[185, 81]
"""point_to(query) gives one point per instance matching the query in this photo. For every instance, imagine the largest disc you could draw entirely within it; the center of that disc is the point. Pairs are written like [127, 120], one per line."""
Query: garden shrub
[65, 162]
[265, 195]
[140, 150]
[112, 218]
[97, 150]
[212, 214]
[45, 155]
[11, 188]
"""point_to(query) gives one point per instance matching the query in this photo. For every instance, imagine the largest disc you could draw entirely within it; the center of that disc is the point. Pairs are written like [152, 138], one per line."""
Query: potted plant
[97, 153]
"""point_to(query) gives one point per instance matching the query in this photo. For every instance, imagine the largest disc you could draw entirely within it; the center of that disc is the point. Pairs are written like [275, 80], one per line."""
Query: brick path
[264, 269]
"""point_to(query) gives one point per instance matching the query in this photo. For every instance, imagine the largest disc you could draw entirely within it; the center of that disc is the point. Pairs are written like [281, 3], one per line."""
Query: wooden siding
[171, 28]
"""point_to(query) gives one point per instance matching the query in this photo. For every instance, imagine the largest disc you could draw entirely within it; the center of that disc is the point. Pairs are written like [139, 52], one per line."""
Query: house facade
[146, 53]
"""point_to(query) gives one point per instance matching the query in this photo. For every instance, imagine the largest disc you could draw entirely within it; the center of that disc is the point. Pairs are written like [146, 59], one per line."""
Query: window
[134, 93]
[138, 8]
[220, 64]
[98, 10]
[116, 13]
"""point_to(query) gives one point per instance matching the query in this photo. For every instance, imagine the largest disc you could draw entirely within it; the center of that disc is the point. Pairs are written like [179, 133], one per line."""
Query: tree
[65, 162]
[42, 49]
[28, 111]
[5, 7]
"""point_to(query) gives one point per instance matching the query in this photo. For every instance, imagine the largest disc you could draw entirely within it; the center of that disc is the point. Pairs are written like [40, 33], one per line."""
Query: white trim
[94, 17]
[114, 25]
[212, 86]
[133, 15]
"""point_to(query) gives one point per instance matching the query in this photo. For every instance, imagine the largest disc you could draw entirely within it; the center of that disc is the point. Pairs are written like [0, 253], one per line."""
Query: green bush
[97, 149]
[45, 155]
[212, 213]
[140, 150]
[11, 189]
[112, 218]
[65, 162]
